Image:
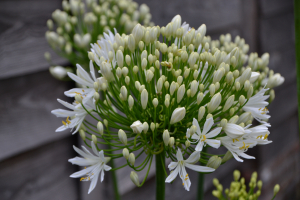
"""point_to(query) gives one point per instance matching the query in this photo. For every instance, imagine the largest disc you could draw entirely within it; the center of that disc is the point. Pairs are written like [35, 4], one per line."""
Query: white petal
[194, 157]
[101, 156]
[63, 113]
[199, 146]
[214, 132]
[92, 70]
[107, 168]
[84, 74]
[82, 172]
[179, 155]
[93, 182]
[79, 80]
[61, 128]
[94, 148]
[195, 123]
[172, 165]
[81, 161]
[173, 175]
[199, 168]
[68, 105]
[208, 124]
[213, 143]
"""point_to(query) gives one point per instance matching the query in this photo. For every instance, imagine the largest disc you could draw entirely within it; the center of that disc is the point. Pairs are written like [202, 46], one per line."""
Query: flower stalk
[160, 175]
[297, 45]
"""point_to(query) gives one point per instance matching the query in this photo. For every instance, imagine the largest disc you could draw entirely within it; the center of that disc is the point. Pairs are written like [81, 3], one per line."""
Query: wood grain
[22, 36]
[25, 120]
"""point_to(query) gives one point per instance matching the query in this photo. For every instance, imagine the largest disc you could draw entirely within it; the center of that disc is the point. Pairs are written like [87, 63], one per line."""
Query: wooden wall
[33, 158]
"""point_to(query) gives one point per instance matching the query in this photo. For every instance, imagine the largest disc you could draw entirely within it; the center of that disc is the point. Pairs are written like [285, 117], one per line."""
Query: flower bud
[276, 189]
[78, 98]
[242, 100]
[245, 76]
[187, 144]
[234, 119]
[201, 113]
[130, 101]
[236, 175]
[82, 134]
[144, 98]
[152, 126]
[144, 63]
[125, 71]
[131, 43]
[122, 136]
[149, 75]
[100, 127]
[212, 89]
[137, 127]
[250, 92]
[177, 115]
[145, 127]
[237, 86]
[199, 97]
[229, 77]
[214, 162]
[227, 156]
[131, 159]
[228, 103]
[134, 178]
[94, 139]
[124, 93]
[223, 123]
[194, 87]
[180, 93]
[138, 33]
[135, 69]
[171, 141]
[167, 102]
[120, 58]
[105, 123]
[214, 102]
[247, 85]
[166, 137]
[155, 102]
[245, 117]
[119, 72]
[128, 60]
[126, 153]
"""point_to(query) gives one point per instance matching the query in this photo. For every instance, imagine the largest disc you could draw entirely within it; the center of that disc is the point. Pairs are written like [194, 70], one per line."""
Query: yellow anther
[182, 183]
[247, 146]
[68, 121]
[186, 179]
[266, 136]
[82, 90]
[82, 178]
[204, 138]
[243, 147]
[233, 140]
[186, 175]
[64, 123]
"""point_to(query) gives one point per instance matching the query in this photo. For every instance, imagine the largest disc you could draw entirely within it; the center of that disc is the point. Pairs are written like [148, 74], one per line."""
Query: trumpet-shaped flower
[179, 168]
[202, 138]
[95, 165]
[238, 147]
[87, 81]
[74, 117]
[256, 105]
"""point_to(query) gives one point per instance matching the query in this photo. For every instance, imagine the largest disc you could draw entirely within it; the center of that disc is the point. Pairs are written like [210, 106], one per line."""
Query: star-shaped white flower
[77, 115]
[238, 147]
[258, 134]
[202, 138]
[87, 81]
[179, 168]
[95, 164]
[256, 105]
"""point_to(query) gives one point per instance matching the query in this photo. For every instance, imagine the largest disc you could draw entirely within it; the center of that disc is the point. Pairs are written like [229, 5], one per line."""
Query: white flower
[103, 47]
[273, 81]
[202, 138]
[238, 147]
[179, 168]
[177, 115]
[256, 105]
[86, 81]
[77, 115]
[95, 164]
[259, 134]
[137, 127]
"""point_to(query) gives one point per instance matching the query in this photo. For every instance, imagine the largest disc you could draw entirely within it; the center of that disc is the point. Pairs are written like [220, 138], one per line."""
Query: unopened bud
[94, 139]
[100, 127]
[131, 159]
[177, 115]
[82, 134]
[134, 178]
[214, 162]
[171, 141]
[122, 136]
[126, 153]
[166, 137]
[144, 99]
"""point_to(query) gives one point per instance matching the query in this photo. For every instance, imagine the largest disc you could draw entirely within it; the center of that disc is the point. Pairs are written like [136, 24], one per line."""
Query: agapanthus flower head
[81, 23]
[175, 97]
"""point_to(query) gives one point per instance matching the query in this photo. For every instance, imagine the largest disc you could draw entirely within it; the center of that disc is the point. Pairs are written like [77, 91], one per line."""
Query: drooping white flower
[238, 147]
[234, 131]
[137, 127]
[87, 81]
[256, 105]
[95, 165]
[75, 115]
[202, 138]
[258, 134]
[179, 168]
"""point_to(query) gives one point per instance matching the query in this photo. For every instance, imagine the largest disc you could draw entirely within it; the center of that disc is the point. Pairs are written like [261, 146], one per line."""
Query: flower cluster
[80, 24]
[171, 91]
[238, 188]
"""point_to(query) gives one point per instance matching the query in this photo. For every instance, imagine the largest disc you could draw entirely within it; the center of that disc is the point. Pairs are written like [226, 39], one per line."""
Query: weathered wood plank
[25, 120]
[22, 36]
[42, 173]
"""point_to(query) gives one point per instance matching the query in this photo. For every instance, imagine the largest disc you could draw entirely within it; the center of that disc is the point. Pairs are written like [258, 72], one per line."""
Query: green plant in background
[168, 92]
[238, 188]
[72, 30]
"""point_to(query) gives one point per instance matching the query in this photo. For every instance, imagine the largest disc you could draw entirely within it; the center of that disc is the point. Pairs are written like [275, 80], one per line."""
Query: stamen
[186, 175]
[186, 179]
[68, 121]
[64, 123]
[204, 138]
[182, 183]
[266, 136]
[243, 146]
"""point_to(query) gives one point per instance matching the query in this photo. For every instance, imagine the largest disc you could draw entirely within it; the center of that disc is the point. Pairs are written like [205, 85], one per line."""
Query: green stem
[297, 44]
[160, 176]
[114, 179]
[200, 194]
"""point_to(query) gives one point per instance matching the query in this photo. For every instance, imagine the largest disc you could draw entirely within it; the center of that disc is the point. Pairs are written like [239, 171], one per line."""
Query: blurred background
[33, 158]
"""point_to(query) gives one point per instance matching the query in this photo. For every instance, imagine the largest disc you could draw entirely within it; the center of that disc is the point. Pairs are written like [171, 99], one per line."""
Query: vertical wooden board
[213, 13]
[26, 120]
[22, 36]
[42, 173]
